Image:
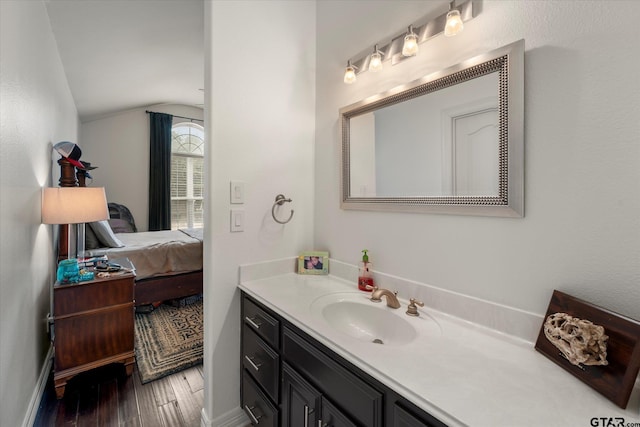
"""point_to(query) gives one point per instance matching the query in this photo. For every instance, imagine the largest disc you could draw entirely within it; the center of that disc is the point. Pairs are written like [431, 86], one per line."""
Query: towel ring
[280, 200]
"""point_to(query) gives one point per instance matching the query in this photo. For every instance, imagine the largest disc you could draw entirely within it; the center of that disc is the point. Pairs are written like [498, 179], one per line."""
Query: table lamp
[74, 205]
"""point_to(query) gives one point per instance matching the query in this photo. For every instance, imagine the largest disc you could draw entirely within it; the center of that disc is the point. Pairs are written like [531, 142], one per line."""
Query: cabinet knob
[253, 364]
[253, 322]
[254, 420]
[307, 411]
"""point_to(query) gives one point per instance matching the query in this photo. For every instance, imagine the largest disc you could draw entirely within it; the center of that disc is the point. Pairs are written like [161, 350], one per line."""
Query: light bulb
[410, 46]
[349, 74]
[375, 63]
[454, 23]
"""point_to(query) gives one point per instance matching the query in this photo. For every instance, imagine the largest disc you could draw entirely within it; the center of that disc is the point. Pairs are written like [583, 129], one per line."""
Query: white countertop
[465, 375]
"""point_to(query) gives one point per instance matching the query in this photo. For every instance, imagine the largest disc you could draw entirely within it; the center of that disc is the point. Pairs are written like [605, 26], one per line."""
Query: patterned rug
[168, 340]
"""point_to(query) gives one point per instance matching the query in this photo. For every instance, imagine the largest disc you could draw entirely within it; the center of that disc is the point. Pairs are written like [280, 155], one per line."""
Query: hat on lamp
[86, 166]
[71, 152]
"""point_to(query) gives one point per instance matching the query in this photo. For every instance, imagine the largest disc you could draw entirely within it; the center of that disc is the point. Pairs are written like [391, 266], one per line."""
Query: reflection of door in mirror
[470, 149]
[444, 143]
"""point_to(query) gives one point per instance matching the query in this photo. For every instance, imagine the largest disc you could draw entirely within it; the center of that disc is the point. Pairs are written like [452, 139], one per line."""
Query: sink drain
[378, 341]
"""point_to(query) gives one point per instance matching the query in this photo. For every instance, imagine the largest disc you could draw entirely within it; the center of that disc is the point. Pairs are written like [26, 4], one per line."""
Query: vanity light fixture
[410, 46]
[405, 45]
[375, 62]
[350, 73]
[454, 22]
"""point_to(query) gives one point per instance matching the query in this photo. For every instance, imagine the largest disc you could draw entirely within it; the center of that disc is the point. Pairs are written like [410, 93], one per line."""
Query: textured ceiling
[124, 54]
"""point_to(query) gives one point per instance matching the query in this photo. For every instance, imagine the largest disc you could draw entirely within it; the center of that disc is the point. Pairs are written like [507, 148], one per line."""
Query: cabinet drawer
[80, 340]
[357, 399]
[261, 362]
[261, 322]
[69, 299]
[256, 405]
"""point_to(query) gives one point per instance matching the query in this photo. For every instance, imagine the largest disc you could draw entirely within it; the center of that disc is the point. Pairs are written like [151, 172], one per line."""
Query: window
[187, 167]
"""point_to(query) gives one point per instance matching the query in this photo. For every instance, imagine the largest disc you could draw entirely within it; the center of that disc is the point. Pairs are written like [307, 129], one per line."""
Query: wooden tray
[615, 380]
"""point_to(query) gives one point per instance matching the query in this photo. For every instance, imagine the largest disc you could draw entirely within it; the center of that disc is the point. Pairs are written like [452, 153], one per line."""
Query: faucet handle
[412, 310]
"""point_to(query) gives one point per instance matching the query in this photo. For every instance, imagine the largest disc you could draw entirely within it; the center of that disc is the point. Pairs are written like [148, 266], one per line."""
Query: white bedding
[157, 253]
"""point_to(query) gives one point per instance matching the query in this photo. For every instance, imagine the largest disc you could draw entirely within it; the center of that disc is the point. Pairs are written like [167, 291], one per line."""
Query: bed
[168, 263]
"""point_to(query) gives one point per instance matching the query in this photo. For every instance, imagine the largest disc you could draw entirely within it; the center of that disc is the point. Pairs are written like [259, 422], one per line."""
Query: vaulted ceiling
[124, 54]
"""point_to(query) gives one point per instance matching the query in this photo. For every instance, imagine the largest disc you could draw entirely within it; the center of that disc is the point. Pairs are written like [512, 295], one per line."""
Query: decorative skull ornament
[579, 340]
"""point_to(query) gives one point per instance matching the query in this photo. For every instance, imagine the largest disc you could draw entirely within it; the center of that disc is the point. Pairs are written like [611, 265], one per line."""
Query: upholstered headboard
[121, 220]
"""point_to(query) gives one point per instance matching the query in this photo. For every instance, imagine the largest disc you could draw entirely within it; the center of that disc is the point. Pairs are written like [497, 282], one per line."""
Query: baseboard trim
[234, 418]
[38, 392]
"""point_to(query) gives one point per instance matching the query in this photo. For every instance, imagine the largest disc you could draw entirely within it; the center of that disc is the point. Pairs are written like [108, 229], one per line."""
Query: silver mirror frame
[508, 61]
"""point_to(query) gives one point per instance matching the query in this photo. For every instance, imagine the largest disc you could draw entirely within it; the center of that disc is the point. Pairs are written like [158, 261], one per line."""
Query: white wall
[581, 230]
[119, 145]
[260, 89]
[410, 139]
[36, 111]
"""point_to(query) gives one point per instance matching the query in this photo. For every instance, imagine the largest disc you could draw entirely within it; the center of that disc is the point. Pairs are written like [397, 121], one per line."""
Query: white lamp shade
[454, 23]
[74, 205]
[375, 63]
[349, 75]
[410, 46]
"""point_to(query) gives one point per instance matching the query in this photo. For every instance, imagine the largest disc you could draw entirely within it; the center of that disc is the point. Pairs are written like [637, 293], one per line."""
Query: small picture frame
[313, 262]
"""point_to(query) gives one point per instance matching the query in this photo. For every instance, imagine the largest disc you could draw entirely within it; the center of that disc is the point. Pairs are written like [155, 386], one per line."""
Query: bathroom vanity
[318, 387]
[317, 352]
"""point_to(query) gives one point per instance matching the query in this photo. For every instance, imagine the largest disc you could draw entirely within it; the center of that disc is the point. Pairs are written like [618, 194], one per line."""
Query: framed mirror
[451, 142]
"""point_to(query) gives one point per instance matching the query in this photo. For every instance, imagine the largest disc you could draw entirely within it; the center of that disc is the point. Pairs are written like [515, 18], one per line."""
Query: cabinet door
[300, 400]
[404, 418]
[330, 416]
[357, 398]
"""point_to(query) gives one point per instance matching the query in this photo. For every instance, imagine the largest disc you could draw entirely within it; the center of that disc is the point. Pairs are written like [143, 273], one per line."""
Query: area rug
[168, 340]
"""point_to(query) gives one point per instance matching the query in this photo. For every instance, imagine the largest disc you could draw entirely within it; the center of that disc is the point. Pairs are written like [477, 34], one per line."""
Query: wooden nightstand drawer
[95, 336]
[85, 296]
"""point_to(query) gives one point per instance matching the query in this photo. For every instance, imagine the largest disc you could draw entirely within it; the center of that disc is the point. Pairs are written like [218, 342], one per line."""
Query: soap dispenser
[365, 278]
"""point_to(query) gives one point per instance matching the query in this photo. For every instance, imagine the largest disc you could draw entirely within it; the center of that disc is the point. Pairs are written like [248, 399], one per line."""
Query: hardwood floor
[107, 397]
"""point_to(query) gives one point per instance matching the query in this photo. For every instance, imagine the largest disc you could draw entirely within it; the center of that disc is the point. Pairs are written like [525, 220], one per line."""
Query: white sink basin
[353, 314]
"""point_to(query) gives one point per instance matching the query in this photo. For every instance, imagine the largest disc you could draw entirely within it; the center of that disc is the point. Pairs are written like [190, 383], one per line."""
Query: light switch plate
[237, 192]
[237, 220]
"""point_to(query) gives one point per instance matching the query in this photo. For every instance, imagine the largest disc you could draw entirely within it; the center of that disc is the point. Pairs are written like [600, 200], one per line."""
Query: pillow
[121, 226]
[90, 239]
[105, 234]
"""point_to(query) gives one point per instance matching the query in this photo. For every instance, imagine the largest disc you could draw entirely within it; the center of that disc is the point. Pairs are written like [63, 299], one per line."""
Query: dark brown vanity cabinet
[300, 400]
[260, 365]
[291, 380]
[302, 403]
[357, 400]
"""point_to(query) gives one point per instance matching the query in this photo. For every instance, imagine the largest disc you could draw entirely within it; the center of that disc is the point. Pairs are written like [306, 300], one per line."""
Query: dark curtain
[160, 171]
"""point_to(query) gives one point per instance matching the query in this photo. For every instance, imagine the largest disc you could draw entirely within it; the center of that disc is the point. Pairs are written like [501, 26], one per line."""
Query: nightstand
[93, 326]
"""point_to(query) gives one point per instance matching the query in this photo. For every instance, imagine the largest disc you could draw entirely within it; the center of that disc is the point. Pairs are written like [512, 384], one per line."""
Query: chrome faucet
[392, 300]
